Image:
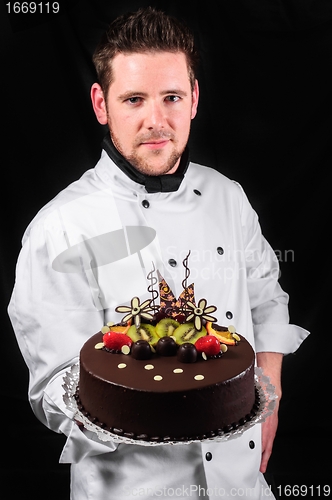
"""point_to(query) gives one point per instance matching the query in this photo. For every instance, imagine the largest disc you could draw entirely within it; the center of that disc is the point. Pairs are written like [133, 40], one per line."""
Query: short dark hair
[146, 30]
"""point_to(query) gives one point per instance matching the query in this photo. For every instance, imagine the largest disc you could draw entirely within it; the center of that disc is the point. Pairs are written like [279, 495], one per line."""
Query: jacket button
[251, 445]
[197, 192]
[145, 203]
[229, 315]
[208, 456]
[220, 250]
[172, 262]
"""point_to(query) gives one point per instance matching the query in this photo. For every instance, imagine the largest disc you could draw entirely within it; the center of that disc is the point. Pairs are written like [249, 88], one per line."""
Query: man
[68, 287]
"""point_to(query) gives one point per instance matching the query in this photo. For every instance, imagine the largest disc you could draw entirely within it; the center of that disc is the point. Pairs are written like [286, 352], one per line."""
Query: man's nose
[155, 116]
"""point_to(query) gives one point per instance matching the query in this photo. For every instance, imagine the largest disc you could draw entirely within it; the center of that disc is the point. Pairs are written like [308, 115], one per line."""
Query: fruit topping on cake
[208, 345]
[115, 338]
[144, 331]
[225, 335]
[141, 349]
[188, 333]
[115, 341]
[166, 327]
[175, 327]
[187, 353]
[166, 346]
[119, 328]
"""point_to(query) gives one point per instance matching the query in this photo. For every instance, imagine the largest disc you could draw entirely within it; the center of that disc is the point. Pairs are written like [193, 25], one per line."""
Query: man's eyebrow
[133, 93]
[179, 92]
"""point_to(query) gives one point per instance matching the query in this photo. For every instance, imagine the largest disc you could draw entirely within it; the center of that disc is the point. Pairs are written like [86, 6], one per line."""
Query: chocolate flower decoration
[136, 311]
[200, 312]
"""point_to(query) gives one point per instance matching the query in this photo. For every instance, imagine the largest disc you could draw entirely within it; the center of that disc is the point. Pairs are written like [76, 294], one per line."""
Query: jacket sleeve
[268, 302]
[52, 314]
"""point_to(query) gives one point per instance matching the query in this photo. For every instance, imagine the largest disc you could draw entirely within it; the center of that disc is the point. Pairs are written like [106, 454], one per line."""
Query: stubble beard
[143, 164]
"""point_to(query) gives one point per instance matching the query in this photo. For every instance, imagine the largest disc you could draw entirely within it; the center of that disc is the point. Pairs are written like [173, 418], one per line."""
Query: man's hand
[271, 363]
[269, 429]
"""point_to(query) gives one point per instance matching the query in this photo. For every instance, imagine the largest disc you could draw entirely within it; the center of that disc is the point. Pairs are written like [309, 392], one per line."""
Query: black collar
[153, 183]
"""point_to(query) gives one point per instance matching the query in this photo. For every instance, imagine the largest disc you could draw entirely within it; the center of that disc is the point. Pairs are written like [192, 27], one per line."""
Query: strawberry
[208, 344]
[114, 340]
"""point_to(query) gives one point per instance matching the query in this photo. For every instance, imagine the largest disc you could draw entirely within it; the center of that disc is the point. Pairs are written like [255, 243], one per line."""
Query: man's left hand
[271, 363]
[269, 429]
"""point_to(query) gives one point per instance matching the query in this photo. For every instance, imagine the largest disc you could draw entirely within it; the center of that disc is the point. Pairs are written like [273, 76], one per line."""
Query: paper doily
[267, 402]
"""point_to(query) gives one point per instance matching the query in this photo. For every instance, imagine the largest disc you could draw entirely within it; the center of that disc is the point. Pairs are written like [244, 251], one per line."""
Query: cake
[167, 372]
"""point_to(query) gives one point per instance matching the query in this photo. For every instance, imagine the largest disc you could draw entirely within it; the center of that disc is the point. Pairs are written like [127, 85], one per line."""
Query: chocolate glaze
[130, 402]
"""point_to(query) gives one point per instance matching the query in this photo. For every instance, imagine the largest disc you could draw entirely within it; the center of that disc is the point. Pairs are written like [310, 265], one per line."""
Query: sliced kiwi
[188, 333]
[144, 332]
[166, 327]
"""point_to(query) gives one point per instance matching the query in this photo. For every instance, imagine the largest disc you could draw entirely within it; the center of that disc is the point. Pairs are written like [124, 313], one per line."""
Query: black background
[264, 120]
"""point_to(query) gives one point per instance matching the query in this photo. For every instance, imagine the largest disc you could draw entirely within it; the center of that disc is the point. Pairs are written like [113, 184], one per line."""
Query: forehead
[150, 69]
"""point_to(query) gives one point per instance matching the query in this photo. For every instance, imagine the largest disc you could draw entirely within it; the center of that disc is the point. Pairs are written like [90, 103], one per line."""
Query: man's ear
[195, 100]
[98, 103]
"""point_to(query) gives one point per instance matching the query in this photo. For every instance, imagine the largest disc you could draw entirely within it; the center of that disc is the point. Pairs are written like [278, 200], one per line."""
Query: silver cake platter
[266, 401]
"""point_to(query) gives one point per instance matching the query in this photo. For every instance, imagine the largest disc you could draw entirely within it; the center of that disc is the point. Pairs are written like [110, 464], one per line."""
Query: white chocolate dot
[236, 337]
[149, 367]
[223, 347]
[231, 329]
[105, 329]
[122, 365]
[204, 356]
[125, 349]
[100, 345]
[177, 370]
[157, 378]
[199, 377]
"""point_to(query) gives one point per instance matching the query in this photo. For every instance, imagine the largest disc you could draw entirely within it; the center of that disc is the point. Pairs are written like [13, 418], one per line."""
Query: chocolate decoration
[136, 311]
[199, 313]
[187, 272]
[169, 304]
[151, 289]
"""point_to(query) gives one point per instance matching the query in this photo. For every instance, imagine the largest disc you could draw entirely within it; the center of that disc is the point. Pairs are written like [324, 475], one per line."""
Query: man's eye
[134, 100]
[172, 98]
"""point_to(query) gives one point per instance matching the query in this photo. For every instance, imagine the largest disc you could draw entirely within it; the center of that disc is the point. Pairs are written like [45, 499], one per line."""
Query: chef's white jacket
[89, 250]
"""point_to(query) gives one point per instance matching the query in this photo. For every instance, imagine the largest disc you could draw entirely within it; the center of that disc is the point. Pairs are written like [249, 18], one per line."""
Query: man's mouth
[157, 144]
[155, 140]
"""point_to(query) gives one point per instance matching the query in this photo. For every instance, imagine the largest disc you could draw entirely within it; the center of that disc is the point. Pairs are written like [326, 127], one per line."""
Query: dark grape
[141, 350]
[187, 353]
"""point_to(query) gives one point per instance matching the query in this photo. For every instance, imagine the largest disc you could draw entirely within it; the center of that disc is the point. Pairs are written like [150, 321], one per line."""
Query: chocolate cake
[167, 372]
[163, 398]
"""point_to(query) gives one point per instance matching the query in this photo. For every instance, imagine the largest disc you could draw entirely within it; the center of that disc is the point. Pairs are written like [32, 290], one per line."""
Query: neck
[153, 183]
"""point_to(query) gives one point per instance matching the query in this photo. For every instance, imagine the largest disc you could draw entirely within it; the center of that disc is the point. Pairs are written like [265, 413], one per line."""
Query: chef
[91, 248]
